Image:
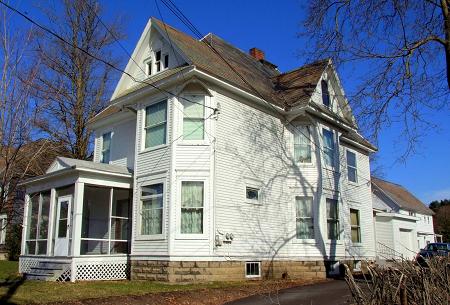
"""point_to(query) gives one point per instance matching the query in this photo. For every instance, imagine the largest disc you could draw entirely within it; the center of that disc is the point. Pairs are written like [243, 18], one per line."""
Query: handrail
[387, 252]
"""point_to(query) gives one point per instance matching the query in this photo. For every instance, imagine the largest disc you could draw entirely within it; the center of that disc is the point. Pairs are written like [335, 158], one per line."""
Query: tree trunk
[445, 6]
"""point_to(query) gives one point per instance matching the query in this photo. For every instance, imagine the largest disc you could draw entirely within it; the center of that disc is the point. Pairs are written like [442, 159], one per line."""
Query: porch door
[63, 217]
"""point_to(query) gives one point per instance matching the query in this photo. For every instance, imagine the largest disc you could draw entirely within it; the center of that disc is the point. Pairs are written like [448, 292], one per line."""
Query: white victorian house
[207, 168]
[403, 224]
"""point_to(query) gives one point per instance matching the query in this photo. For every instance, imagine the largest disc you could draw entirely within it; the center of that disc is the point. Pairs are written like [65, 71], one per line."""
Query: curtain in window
[328, 147]
[152, 209]
[332, 219]
[191, 207]
[155, 124]
[302, 145]
[304, 216]
[193, 121]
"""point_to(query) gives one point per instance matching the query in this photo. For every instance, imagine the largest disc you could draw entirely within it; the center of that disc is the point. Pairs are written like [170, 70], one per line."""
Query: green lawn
[14, 290]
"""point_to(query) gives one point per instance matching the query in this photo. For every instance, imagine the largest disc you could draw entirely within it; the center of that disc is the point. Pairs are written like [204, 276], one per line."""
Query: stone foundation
[201, 271]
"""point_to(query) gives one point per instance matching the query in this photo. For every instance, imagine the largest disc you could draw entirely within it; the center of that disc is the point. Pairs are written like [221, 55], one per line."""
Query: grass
[14, 290]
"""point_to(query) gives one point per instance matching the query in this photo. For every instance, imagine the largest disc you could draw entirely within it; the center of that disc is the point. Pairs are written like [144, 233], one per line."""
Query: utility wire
[179, 14]
[94, 56]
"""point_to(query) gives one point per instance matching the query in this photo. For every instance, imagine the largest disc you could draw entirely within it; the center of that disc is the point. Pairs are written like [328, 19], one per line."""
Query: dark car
[432, 250]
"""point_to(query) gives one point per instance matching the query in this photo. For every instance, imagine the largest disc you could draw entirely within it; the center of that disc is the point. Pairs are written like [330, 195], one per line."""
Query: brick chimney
[256, 53]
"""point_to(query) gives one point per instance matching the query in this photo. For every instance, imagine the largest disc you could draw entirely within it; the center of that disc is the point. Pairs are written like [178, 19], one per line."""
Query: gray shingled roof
[82, 164]
[401, 196]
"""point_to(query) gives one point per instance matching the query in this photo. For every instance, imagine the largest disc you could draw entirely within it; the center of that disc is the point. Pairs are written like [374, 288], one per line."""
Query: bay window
[194, 117]
[304, 217]
[302, 144]
[192, 203]
[156, 124]
[152, 198]
[351, 167]
[332, 219]
[328, 147]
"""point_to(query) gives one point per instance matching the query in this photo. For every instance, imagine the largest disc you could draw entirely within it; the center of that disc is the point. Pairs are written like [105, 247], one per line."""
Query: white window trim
[161, 236]
[3, 223]
[311, 144]
[253, 276]
[206, 125]
[163, 57]
[255, 184]
[333, 164]
[357, 226]
[206, 209]
[160, 61]
[339, 240]
[143, 127]
[356, 166]
[304, 240]
[110, 130]
[147, 61]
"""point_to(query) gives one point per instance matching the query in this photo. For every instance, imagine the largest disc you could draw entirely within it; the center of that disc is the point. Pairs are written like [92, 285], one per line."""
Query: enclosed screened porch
[76, 222]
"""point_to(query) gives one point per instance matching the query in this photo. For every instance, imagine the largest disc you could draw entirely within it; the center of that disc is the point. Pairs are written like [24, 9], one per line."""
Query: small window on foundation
[252, 269]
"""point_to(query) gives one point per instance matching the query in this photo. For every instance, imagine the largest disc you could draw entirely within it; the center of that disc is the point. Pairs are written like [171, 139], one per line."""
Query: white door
[62, 227]
[407, 248]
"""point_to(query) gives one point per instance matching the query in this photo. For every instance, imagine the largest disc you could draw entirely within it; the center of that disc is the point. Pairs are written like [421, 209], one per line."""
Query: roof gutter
[359, 145]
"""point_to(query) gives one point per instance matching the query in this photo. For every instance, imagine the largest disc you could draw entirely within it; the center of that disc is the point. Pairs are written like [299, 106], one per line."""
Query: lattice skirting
[25, 264]
[90, 271]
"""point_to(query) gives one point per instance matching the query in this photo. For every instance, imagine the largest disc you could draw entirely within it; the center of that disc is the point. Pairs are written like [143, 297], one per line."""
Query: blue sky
[273, 27]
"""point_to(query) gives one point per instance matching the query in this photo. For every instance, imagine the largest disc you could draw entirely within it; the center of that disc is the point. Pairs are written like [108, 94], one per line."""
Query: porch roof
[62, 166]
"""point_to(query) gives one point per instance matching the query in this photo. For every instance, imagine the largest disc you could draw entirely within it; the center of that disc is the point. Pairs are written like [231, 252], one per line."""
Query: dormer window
[325, 93]
[166, 61]
[148, 67]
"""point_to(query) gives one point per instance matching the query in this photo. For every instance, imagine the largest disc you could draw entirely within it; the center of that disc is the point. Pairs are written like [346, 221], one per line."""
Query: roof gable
[401, 196]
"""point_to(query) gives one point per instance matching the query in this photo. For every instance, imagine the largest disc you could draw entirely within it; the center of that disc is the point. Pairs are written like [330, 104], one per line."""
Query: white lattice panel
[89, 271]
[25, 264]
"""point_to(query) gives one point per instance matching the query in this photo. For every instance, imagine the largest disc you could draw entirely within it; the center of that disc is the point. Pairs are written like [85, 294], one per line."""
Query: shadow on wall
[269, 159]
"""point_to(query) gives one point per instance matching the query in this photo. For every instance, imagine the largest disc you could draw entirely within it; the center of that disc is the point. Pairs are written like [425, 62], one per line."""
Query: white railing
[388, 253]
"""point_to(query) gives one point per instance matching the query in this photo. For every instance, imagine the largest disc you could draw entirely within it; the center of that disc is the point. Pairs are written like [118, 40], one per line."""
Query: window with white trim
[302, 144]
[252, 194]
[252, 269]
[106, 147]
[148, 67]
[37, 223]
[304, 217]
[328, 146]
[194, 117]
[332, 219]
[152, 203]
[325, 93]
[156, 124]
[166, 61]
[352, 172]
[158, 61]
[192, 203]
[355, 226]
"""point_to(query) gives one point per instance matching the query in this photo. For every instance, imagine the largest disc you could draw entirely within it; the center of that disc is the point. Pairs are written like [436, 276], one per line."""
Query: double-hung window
[355, 226]
[152, 198]
[155, 124]
[158, 61]
[302, 144]
[192, 197]
[106, 147]
[332, 219]
[328, 147]
[351, 167]
[194, 117]
[304, 217]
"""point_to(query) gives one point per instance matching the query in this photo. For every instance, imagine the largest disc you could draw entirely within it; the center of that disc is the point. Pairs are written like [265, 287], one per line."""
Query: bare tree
[17, 111]
[74, 86]
[403, 47]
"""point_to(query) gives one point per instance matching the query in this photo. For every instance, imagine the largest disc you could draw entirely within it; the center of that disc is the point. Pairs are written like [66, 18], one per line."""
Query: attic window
[325, 93]
[166, 61]
[148, 68]
[158, 61]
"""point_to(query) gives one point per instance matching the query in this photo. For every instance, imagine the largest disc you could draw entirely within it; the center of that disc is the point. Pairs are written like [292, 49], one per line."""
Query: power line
[179, 14]
[96, 57]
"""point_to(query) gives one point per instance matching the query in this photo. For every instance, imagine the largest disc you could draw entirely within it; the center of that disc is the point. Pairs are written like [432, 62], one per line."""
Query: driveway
[334, 292]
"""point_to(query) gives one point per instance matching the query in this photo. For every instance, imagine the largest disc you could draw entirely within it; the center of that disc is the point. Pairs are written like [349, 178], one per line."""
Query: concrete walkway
[334, 292]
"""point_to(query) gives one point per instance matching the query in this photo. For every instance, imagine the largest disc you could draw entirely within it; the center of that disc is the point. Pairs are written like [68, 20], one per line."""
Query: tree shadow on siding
[269, 159]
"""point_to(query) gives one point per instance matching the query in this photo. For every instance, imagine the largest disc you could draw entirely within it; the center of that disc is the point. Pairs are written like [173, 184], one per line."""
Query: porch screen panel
[120, 210]
[43, 223]
[32, 223]
[37, 224]
[95, 223]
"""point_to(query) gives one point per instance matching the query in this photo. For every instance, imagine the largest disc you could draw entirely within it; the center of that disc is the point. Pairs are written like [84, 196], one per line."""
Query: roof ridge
[304, 66]
[394, 183]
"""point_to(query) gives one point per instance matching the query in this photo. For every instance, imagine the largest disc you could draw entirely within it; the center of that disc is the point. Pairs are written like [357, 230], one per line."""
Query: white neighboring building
[212, 182]
[403, 224]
